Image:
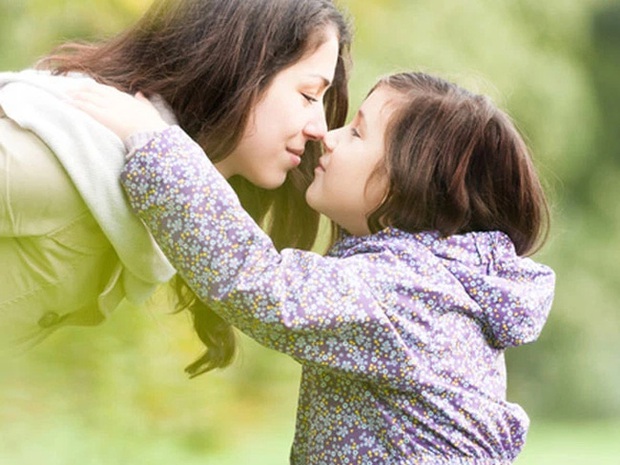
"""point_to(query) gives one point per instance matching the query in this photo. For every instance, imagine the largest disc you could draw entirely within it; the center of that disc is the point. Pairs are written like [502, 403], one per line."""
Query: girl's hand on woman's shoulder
[120, 112]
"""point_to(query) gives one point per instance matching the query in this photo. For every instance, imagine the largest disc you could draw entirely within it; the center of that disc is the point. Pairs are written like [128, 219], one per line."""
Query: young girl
[401, 328]
[250, 81]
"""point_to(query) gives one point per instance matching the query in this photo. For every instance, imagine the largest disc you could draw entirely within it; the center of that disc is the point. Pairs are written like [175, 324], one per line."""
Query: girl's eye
[309, 98]
[354, 132]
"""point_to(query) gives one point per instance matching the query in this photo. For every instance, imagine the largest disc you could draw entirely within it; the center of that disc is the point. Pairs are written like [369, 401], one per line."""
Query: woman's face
[289, 114]
[343, 188]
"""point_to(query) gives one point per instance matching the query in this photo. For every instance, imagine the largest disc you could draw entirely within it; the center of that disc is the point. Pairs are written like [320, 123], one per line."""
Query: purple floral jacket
[401, 336]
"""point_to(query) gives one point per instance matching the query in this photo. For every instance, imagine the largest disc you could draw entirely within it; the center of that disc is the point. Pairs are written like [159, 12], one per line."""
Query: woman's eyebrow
[325, 83]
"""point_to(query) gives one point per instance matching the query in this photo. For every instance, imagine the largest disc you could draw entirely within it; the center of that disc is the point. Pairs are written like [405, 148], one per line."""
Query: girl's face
[289, 114]
[343, 188]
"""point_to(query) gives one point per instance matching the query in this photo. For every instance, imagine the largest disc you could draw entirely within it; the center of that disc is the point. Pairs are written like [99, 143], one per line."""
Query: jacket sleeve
[316, 309]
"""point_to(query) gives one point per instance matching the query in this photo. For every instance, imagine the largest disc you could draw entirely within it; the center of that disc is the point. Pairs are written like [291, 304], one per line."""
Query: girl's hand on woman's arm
[120, 112]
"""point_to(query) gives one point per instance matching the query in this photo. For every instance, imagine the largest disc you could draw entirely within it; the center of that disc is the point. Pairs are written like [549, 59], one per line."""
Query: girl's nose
[329, 140]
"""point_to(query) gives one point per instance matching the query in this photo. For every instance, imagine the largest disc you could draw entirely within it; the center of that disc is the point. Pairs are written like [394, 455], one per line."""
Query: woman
[228, 72]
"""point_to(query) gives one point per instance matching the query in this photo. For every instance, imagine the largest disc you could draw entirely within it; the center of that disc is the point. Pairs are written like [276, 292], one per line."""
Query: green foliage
[31, 28]
[118, 393]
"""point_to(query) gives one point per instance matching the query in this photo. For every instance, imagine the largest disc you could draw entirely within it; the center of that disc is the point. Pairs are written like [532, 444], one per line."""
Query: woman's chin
[270, 182]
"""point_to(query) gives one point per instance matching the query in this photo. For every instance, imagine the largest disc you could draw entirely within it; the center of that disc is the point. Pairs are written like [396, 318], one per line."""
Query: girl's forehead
[380, 103]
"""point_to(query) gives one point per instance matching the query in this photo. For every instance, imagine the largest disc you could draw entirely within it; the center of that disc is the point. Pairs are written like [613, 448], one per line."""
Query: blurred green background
[118, 394]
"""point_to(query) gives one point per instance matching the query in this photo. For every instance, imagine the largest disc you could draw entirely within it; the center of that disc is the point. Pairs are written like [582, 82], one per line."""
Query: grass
[574, 443]
[68, 441]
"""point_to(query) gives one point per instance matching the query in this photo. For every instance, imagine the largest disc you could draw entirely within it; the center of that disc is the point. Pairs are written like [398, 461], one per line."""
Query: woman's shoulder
[39, 196]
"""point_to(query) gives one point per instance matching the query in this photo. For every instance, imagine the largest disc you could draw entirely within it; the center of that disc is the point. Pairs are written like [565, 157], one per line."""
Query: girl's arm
[317, 309]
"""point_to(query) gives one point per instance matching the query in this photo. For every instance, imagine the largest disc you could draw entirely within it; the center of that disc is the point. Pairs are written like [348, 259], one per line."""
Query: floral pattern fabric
[401, 336]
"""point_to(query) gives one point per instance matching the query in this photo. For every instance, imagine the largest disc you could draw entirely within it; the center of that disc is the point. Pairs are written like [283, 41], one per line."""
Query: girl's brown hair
[456, 163]
[211, 60]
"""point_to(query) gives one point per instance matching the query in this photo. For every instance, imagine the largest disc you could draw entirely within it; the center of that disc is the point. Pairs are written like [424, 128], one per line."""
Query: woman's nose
[316, 127]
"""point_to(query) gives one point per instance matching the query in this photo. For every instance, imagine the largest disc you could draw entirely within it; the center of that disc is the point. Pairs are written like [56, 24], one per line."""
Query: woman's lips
[295, 156]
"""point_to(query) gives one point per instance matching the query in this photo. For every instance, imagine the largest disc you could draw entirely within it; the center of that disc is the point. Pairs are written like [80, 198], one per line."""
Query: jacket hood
[513, 294]
[510, 295]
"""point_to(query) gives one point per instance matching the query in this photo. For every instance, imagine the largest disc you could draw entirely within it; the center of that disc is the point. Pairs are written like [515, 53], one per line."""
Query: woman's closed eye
[310, 98]
[355, 133]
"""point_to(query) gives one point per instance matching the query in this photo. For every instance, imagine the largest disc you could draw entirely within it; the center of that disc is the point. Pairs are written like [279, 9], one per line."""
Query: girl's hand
[120, 112]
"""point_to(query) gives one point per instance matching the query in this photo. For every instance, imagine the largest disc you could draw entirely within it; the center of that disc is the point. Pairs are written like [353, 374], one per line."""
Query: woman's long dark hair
[455, 164]
[211, 60]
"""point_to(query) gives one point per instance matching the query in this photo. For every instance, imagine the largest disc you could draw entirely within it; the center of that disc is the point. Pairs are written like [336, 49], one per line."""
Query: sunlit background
[117, 394]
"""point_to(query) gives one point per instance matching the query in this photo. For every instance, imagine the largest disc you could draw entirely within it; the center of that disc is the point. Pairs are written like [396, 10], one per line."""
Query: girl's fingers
[122, 113]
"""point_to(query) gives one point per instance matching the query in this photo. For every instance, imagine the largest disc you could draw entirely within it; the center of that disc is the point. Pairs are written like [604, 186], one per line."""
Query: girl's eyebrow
[362, 120]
